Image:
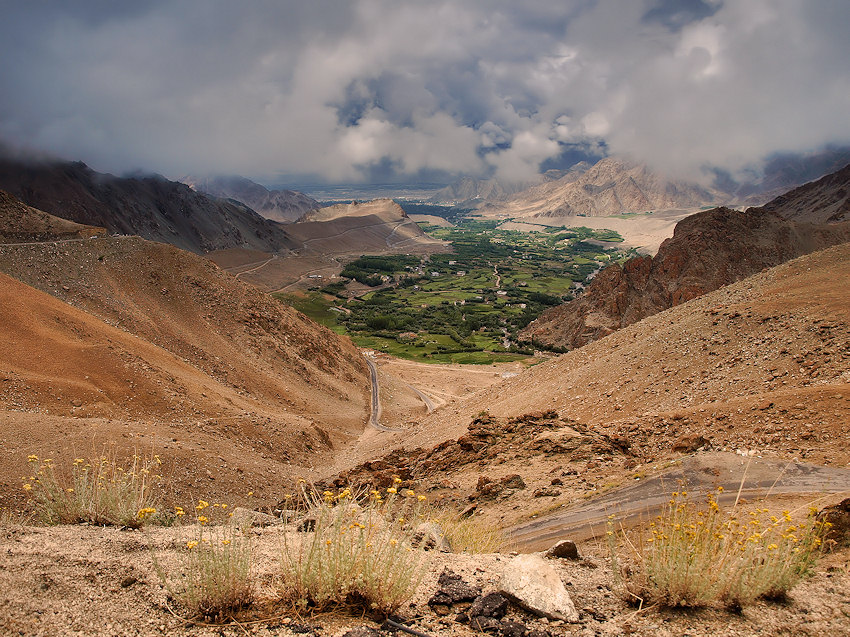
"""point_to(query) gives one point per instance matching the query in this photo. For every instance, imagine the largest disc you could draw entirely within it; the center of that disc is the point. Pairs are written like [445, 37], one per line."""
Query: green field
[465, 306]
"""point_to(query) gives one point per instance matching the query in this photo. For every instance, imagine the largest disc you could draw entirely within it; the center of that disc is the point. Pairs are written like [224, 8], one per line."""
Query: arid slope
[22, 223]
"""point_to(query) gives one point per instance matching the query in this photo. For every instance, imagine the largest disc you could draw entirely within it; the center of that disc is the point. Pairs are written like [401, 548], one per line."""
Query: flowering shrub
[98, 491]
[358, 549]
[695, 556]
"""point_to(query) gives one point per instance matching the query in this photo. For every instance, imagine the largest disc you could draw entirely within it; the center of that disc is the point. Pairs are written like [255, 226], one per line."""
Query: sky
[347, 91]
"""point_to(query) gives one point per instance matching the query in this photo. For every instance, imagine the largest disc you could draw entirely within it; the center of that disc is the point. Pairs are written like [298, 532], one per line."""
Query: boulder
[533, 584]
[564, 549]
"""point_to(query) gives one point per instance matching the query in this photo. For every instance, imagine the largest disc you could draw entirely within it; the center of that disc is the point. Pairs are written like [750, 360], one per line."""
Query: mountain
[380, 225]
[610, 187]
[151, 207]
[708, 250]
[784, 172]
[826, 200]
[469, 191]
[284, 206]
[21, 223]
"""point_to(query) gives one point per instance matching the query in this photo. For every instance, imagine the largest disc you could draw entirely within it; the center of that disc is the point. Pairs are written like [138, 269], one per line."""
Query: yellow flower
[145, 513]
[225, 542]
[421, 498]
[720, 489]
[202, 504]
[32, 458]
[27, 487]
[191, 544]
[203, 519]
[250, 493]
[396, 480]
[410, 493]
[392, 490]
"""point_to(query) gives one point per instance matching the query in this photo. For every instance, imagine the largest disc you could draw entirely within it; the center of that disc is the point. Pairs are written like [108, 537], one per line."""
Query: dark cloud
[382, 89]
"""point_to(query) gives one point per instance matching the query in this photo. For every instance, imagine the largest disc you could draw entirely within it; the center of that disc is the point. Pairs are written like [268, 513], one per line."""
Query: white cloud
[336, 89]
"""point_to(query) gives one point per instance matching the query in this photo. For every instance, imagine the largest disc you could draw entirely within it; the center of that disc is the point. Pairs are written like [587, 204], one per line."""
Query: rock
[514, 481]
[564, 549]
[689, 443]
[485, 624]
[489, 605]
[243, 517]
[433, 536]
[452, 590]
[839, 517]
[534, 585]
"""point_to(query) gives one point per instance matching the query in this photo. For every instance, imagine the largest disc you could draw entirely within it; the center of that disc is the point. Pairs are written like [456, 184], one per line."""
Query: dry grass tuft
[698, 556]
[356, 550]
[99, 491]
[472, 535]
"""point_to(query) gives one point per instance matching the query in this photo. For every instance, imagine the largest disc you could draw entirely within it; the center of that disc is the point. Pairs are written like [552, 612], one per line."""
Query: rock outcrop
[708, 250]
[826, 200]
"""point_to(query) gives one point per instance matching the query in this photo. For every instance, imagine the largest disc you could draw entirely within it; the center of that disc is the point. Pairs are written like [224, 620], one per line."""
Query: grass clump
[472, 535]
[357, 549]
[216, 580]
[100, 491]
[700, 555]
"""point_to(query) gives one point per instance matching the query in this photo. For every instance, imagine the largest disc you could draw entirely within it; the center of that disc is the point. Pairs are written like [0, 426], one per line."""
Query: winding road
[375, 417]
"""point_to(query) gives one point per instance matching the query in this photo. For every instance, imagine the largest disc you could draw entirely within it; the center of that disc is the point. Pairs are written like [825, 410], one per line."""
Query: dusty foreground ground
[94, 581]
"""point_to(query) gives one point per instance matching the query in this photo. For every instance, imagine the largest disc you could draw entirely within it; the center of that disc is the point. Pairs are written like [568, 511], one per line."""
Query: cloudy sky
[360, 90]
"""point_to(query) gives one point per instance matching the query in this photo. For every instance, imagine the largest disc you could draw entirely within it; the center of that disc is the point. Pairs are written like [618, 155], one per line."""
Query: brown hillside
[708, 250]
[21, 223]
[249, 368]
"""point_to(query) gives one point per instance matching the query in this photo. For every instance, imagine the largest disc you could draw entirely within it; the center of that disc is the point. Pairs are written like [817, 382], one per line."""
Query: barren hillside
[21, 223]
[826, 200]
[206, 357]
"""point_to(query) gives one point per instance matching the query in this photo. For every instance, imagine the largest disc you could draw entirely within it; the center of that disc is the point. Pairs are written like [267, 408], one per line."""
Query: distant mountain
[471, 192]
[826, 200]
[151, 207]
[278, 205]
[612, 186]
[20, 223]
[781, 173]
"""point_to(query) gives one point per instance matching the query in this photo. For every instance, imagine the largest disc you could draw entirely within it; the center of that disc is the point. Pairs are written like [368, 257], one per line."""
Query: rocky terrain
[826, 200]
[152, 207]
[698, 258]
[21, 223]
[284, 206]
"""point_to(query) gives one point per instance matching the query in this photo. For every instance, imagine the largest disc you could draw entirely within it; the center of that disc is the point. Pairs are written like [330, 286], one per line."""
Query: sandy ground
[642, 232]
[102, 581]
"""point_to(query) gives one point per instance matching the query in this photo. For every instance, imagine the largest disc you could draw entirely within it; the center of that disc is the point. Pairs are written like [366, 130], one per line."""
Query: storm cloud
[369, 89]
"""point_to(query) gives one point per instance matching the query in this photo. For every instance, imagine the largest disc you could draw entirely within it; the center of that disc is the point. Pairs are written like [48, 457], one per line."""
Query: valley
[380, 349]
[463, 306]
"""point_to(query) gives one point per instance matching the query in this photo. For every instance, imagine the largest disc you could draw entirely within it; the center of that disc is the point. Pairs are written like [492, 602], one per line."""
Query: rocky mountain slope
[151, 207]
[707, 250]
[284, 206]
[612, 186]
[826, 200]
[216, 377]
[21, 223]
